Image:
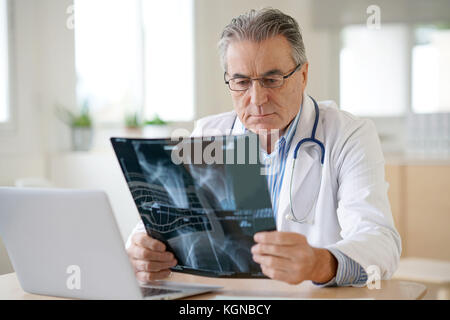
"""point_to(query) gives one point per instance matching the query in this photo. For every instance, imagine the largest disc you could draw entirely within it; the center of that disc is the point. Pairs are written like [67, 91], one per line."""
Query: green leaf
[81, 119]
[156, 121]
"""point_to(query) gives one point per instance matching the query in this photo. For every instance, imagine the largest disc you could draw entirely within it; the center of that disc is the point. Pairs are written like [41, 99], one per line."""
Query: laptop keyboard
[150, 292]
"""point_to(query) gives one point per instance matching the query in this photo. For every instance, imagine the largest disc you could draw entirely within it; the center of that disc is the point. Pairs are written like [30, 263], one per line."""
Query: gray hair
[259, 25]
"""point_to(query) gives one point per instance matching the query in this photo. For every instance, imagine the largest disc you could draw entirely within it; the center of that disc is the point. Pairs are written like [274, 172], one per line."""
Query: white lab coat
[352, 213]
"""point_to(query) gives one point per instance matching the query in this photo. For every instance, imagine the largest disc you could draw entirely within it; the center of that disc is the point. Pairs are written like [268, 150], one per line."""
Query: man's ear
[304, 72]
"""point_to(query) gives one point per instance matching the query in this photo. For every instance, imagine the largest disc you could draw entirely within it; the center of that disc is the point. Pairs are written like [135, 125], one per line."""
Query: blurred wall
[43, 76]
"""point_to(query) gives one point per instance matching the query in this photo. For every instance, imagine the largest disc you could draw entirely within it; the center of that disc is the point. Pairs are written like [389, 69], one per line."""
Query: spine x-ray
[204, 198]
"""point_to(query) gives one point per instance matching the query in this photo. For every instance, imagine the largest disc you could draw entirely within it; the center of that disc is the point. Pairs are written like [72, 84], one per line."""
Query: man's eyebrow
[238, 75]
[268, 73]
[272, 72]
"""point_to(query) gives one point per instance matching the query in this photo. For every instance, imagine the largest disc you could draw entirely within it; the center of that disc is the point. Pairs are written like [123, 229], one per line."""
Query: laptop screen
[204, 198]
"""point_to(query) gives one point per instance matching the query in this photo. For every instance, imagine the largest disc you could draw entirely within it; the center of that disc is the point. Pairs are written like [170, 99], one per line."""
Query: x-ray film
[204, 198]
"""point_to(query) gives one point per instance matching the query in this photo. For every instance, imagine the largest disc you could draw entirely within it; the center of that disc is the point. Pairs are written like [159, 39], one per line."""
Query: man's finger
[279, 238]
[153, 266]
[143, 240]
[141, 253]
[273, 250]
[150, 276]
[273, 262]
[276, 274]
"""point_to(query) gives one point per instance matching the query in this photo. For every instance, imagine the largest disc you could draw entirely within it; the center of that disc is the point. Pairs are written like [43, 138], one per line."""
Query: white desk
[390, 290]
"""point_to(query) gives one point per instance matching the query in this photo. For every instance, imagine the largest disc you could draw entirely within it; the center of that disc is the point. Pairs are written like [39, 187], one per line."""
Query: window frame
[10, 125]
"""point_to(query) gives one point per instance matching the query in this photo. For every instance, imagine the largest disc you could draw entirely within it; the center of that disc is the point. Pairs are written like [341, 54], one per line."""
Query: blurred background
[75, 72]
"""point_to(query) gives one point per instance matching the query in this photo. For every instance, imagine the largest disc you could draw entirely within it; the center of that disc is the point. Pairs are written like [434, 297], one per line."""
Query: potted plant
[133, 123]
[81, 126]
[156, 128]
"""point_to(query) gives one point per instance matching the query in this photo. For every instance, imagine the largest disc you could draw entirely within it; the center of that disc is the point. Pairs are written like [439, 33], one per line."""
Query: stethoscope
[291, 215]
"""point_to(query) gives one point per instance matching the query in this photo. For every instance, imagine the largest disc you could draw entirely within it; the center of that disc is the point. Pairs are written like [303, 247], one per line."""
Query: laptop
[66, 243]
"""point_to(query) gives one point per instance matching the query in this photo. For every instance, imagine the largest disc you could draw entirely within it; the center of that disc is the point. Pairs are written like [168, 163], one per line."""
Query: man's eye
[271, 80]
[243, 82]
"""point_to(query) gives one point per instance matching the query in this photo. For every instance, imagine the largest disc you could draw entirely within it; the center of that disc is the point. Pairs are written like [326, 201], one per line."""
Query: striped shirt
[349, 272]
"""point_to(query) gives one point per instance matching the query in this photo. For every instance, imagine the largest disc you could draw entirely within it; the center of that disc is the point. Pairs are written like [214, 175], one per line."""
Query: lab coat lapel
[303, 163]
[238, 127]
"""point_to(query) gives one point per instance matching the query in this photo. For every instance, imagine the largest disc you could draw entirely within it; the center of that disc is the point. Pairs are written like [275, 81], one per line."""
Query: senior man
[334, 224]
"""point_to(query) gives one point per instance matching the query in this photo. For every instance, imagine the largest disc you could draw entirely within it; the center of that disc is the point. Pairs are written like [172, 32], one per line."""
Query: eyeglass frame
[259, 79]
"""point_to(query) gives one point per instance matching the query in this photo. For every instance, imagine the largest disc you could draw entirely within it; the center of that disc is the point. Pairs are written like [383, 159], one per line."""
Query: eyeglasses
[244, 83]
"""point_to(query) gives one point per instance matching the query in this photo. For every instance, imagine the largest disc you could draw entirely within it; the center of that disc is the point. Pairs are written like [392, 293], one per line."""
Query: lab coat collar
[238, 127]
[306, 122]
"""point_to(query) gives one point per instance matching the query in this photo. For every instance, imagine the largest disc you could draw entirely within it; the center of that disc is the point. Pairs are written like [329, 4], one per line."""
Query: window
[431, 69]
[373, 70]
[132, 56]
[400, 76]
[4, 67]
[169, 59]
[107, 57]
[380, 68]
[429, 124]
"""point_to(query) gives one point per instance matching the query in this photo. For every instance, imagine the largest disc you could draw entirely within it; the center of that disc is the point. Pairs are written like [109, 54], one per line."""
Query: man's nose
[258, 93]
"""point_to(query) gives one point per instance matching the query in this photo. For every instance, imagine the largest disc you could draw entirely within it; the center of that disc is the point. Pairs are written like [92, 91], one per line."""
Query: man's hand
[149, 258]
[287, 256]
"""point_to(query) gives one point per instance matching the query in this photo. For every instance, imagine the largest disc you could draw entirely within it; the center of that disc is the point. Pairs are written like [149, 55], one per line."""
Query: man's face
[266, 108]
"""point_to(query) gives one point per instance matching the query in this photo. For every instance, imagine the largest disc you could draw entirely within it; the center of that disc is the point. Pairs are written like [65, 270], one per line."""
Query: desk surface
[263, 288]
